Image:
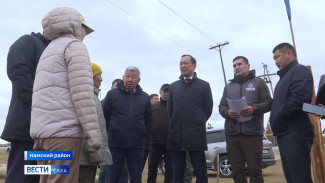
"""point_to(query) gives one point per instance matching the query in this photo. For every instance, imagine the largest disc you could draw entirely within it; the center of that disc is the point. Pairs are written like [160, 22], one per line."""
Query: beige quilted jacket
[63, 102]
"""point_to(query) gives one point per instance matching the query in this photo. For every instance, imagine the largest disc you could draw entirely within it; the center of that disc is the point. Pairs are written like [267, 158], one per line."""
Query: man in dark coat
[127, 112]
[22, 61]
[320, 99]
[158, 130]
[289, 123]
[190, 105]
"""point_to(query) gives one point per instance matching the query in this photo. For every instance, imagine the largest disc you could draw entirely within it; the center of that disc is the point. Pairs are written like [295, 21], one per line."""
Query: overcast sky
[146, 34]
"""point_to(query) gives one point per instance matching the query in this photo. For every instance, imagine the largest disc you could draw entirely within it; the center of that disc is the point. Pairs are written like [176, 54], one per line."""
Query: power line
[150, 27]
[207, 36]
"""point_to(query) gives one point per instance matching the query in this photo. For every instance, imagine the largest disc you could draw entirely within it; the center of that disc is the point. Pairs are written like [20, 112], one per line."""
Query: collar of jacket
[163, 101]
[239, 79]
[96, 90]
[181, 77]
[284, 70]
[41, 37]
[138, 88]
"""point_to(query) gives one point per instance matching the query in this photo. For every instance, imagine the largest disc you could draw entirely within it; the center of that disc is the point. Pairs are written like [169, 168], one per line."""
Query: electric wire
[196, 28]
[150, 27]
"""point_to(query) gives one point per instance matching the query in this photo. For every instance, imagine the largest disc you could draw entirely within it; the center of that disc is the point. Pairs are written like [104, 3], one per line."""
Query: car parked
[216, 141]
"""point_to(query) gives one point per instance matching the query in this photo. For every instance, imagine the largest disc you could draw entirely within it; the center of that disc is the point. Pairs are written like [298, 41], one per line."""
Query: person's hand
[96, 163]
[321, 116]
[232, 114]
[247, 111]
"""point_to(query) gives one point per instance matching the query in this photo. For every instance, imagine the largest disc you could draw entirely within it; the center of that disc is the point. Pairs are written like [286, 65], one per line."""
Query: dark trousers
[16, 162]
[145, 157]
[295, 150]
[87, 174]
[134, 158]
[124, 174]
[245, 149]
[156, 153]
[198, 162]
[188, 173]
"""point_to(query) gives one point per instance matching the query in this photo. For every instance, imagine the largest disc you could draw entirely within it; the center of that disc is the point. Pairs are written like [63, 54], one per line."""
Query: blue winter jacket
[127, 117]
[294, 88]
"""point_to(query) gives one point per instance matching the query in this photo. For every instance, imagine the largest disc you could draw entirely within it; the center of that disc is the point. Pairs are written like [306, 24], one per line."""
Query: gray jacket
[257, 95]
[103, 155]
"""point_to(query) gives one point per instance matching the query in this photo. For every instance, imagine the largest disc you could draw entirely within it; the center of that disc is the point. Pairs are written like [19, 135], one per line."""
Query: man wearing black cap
[158, 133]
[189, 107]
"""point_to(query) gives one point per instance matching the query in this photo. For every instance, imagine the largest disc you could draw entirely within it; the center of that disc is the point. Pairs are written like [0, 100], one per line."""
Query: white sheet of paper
[237, 106]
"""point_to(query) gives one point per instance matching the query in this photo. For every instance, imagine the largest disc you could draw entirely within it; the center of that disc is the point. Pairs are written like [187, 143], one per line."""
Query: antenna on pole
[267, 78]
[219, 48]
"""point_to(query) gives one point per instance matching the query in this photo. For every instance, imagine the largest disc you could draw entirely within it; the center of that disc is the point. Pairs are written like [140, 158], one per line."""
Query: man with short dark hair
[289, 123]
[158, 132]
[154, 99]
[190, 105]
[244, 138]
[127, 112]
[115, 83]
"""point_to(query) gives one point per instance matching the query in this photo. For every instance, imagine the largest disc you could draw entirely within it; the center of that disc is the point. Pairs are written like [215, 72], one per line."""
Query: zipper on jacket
[240, 96]
[131, 112]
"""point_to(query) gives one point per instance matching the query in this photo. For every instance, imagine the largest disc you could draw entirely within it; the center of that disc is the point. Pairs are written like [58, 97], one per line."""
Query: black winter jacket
[189, 107]
[127, 117]
[294, 88]
[320, 99]
[159, 123]
[22, 61]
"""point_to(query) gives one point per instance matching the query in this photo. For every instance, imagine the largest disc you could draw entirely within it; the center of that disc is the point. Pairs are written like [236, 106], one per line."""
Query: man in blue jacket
[289, 123]
[127, 112]
[189, 107]
[22, 61]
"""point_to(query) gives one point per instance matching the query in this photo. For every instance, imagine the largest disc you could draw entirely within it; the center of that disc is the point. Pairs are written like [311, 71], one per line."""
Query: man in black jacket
[22, 61]
[320, 99]
[189, 107]
[244, 138]
[158, 133]
[127, 112]
[289, 123]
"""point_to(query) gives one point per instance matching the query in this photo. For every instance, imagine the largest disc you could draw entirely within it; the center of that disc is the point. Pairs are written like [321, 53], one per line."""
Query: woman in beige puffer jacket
[63, 105]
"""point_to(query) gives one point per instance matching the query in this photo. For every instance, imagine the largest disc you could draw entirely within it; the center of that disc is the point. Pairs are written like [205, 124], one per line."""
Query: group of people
[55, 107]
[289, 123]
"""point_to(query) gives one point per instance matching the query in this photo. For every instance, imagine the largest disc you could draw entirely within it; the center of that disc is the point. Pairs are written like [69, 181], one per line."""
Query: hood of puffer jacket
[62, 21]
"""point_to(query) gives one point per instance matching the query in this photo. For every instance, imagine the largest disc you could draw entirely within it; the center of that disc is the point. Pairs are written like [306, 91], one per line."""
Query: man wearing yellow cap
[90, 159]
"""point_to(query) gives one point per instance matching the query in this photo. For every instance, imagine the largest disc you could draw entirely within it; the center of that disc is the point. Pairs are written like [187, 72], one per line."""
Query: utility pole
[219, 48]
[266, 77]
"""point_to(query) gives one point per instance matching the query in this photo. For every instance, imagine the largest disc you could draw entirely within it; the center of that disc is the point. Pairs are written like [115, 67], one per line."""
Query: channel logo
[46, 169]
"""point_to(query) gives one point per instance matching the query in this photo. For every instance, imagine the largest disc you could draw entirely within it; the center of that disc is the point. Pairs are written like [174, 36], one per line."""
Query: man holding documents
[289, 123]
[243, 104]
